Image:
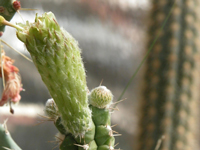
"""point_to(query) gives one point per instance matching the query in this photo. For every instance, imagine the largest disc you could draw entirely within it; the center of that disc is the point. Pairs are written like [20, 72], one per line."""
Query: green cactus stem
[104, 135]
[68, 143]
[171, 78]
[57, 57]
[100, 116]
[88, 137]
[105, 147]
[6, 140]
[86, 141]
[91, 146]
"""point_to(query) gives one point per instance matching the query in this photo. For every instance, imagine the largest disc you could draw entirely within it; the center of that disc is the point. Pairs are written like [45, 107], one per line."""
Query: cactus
[170, 82]
[57, 57]
[6, 140]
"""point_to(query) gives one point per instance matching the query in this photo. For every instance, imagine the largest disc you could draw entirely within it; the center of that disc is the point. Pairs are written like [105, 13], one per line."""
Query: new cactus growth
[100, 97]
[170, 82]
[51, 110]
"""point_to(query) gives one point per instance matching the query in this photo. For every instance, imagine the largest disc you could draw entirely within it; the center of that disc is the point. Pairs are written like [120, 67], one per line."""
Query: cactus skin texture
[8, 8]
[171, 78]
[57, 57]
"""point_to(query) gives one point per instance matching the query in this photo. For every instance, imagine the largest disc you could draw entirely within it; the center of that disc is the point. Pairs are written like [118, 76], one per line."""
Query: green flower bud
[100, 97]
[51, 109]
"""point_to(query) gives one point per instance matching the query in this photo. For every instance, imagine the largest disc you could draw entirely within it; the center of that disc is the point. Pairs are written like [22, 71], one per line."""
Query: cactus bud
[100, 97]
[51, 109]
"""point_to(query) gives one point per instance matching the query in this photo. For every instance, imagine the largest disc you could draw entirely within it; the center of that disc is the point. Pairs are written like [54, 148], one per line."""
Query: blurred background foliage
[112, 36]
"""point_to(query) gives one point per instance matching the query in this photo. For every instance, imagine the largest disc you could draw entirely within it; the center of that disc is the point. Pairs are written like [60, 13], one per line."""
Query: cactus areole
[57, 57]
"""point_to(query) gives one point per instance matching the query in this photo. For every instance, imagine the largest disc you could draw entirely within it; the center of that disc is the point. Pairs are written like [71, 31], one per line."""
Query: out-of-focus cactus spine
[171, 75]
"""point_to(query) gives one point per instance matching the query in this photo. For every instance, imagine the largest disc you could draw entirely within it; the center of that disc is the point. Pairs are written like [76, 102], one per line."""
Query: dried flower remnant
[16, 5]
[13, 84]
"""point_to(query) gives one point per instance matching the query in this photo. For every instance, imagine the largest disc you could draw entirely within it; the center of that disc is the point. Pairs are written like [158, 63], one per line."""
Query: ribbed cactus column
[100, 99]
[171, 77]
[57, 57]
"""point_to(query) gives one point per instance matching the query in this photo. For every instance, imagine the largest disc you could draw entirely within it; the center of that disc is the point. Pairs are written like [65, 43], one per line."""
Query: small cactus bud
[51, 109]
[100, 97]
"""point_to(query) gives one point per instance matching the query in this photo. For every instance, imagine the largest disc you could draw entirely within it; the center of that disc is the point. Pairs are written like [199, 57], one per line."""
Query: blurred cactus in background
[171, 81]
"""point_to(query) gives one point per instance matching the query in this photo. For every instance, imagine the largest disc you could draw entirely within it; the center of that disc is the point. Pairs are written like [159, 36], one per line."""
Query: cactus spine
[171, 75]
